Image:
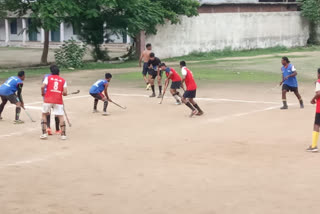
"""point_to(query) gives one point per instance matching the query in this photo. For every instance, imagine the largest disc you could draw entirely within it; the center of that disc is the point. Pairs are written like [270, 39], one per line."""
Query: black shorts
[317, 119]
[176, 85]
[145, 69]
[289, 88]
[99, 96]
[190, 94]
[154, 73]
[13, 99]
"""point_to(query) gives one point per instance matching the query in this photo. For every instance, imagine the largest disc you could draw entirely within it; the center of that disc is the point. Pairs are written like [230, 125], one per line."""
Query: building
[14, 32]
[232, 24]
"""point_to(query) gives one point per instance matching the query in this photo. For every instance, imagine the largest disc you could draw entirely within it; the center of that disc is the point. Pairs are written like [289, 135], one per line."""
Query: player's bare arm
[19, 94]
[65, 91]
[141, 57]
[106, 92]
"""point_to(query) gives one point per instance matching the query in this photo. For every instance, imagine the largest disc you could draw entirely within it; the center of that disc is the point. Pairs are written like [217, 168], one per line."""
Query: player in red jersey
[191, 91]
[316, 129]
[176, 82]
[56, 88]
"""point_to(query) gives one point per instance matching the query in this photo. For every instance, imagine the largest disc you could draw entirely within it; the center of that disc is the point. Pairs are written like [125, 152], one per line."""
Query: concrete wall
[217, 31]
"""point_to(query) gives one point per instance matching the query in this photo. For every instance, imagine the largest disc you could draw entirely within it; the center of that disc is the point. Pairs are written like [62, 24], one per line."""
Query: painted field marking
[31, 161]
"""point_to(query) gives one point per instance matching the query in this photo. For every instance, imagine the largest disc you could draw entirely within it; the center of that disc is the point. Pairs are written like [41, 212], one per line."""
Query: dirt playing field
[243, 156]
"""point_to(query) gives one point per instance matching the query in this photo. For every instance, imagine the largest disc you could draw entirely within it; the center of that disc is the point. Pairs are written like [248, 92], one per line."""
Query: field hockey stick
[28, 115]
[123, 107]
[76, 92]
[67, 118]
[164, 92]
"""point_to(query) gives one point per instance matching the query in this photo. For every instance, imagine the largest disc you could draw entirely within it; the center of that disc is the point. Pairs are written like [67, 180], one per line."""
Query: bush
[70, 54]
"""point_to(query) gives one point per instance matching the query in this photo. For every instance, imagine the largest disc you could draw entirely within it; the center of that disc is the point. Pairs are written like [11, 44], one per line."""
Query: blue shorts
[190, 94]
[145, 69]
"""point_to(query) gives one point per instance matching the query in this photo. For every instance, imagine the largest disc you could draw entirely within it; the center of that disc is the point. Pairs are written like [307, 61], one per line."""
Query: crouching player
[315, 134]
[190, 93]
[8, 92]
[56, 88]
[96, 92]
[56, 118]
[176, 82]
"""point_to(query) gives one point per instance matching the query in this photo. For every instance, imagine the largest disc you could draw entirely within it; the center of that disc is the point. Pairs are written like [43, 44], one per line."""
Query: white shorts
[57, 109]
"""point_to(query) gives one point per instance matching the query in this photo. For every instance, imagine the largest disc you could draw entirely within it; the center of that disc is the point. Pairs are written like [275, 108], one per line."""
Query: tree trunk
[44, 57]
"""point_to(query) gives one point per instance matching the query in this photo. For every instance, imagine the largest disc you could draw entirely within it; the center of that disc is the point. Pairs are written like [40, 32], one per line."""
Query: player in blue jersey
[96, 91]
[11, 91]
[289, 82]
[56, 118]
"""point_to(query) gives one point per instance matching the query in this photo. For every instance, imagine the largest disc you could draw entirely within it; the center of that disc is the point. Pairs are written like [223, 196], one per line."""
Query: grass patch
[241, 53]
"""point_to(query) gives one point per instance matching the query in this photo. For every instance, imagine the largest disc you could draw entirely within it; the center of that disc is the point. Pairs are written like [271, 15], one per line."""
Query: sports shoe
[153, 95]
[58, 132]
[95, 111]
[63, 137]
[160, 96]
[49, 131]
[43, 136]
[310, 149]
[18, 122]
[200, 113]
[105, 114]
[284, 107]
[301, 105]
[178, 102]
[148, 87]
[193, 113]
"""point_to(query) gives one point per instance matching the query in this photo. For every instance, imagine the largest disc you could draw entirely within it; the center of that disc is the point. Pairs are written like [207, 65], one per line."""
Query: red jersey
[55, 85]
[189, 80]
[318, 100]
[175, 76]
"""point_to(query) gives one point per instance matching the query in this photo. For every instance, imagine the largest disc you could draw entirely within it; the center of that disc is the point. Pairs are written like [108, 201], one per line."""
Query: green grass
[241, 53]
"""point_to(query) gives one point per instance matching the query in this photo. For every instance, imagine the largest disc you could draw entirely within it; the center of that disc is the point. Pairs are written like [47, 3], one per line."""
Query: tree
[131, 16]
[311, 10]
[46, 14]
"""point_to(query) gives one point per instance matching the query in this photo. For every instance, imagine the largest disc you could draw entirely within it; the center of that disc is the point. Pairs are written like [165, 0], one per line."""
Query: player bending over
[56, 88]
[145, 57]
[155, 72]
[176, 82]
[56, 118]
[289, 81]
[96, 92]
[316, 128]
[8, 92]
[190, 93]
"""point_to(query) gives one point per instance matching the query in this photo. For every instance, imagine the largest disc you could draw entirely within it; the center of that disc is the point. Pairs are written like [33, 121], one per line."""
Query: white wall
[217, 31]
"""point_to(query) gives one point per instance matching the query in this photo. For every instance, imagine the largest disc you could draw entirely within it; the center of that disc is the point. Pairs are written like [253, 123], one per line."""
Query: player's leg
[49, 131]
[46, 108]
[58, 111]
[315, 134]
[151, 81]
[296, 92]
[160, 85]
[284, 97]
[185, 100]
[200, 112]
[57, 122]
[105, 106]
[15, 100]
[175, 93]
[95, 105]
[4, 101]
[144, 73]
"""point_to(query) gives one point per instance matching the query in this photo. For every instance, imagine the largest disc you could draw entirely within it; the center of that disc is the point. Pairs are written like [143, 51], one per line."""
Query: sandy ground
[243, 156]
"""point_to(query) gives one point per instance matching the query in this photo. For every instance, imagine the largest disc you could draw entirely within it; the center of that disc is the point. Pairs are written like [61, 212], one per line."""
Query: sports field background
[243, 156]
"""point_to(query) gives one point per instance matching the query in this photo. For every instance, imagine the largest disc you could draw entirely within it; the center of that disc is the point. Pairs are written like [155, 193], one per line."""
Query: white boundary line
[31, 161]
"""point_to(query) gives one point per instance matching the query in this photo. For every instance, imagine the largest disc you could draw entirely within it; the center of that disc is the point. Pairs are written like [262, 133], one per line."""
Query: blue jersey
[10, 86]
[45, 76]
[291, 81]
[98, 87]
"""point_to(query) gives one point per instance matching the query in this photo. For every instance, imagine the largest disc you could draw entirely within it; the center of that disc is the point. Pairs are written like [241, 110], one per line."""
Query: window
[76, 28]
[13, 26]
